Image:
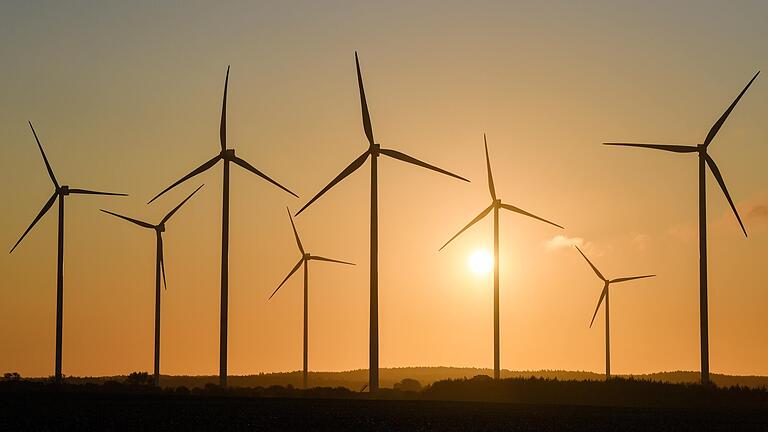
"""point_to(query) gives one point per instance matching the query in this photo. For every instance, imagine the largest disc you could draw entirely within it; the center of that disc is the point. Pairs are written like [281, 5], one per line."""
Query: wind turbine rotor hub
[497, 202]
[160, 228]
[228, 154]
[307, 256]
[64, 190]
[375, 148]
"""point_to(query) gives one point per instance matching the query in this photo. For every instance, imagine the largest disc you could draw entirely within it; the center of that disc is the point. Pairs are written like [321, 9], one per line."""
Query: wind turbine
[159, 268]
[59, 193]
[374, 151]
[704, 160]
[605, 295]
[306, 257]
[227, 156]
[496, 205]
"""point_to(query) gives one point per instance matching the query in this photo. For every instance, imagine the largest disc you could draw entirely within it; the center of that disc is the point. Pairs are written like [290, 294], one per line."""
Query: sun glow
[481, 262]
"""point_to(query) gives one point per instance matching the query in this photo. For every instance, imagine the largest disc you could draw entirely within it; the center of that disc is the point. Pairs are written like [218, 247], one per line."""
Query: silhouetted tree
[139, 378]
[408, 384]
[481, 378]
[12, 376]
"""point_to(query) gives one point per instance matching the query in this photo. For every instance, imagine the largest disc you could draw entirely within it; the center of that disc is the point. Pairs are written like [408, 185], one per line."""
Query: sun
[481, 262]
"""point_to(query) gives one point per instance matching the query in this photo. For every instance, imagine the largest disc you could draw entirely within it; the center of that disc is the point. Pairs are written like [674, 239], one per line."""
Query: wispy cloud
[640, 241]
[753, 211]
[560, 241]
[758, 213]
[682, 232]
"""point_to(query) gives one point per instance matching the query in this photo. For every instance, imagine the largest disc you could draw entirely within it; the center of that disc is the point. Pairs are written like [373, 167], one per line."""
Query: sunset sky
[125, 96]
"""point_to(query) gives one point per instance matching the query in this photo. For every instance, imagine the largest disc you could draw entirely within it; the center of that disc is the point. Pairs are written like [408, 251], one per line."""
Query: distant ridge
[356, 379]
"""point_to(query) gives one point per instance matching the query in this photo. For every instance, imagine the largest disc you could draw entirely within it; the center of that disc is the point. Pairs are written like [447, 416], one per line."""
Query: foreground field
[478, 403]
[96, 411]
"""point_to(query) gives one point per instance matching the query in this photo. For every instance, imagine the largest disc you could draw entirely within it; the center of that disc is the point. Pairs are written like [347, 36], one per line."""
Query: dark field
[97, 411]
[479, 403]
[579, 406]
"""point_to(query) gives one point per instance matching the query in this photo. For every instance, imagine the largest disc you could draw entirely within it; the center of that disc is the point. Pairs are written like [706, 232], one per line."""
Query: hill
[356, 379]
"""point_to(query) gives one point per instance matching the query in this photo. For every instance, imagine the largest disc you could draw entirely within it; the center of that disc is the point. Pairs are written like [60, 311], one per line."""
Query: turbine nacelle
[160, 228]
[228, 154]
[374, 149]
[63, 190]
[497, 203]
[307, 256]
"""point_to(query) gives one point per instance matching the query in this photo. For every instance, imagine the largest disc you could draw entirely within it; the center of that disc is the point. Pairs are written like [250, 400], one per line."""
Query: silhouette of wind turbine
[704, 160]
[306, 257]
[227, 155]
[496, 205]
[159, 268]
[374, 151]
[605, 295]
[59, 193]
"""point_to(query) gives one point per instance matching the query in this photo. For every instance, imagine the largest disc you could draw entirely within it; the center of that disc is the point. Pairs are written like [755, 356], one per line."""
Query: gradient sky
[126, 97]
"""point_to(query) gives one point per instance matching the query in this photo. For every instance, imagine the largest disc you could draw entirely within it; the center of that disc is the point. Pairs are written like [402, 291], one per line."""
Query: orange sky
[127, 98]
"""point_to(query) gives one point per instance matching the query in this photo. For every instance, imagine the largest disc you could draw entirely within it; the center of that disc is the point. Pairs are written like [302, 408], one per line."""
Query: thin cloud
[753, 211]
[758, 213]
[640, 241]
[682, 232]
[560, 241]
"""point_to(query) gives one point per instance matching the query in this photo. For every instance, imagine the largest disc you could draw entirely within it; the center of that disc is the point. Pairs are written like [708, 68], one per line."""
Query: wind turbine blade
[405, 158]
[93, 192]
[719, 177]
[223, 124]
[298, 264]
[599, 302]
[252, 169]
[295, 233]
[624, 279]
[175, 209]
[129, 219]
[525, 213]
[202, 168]
[364, 104]
[162, 262]
[45, 159]
[491, 187]
[474, 221]
[676, 148]
[597, 272]
[719, 123]
[347, 171]
[45, 208]
[319, 258]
